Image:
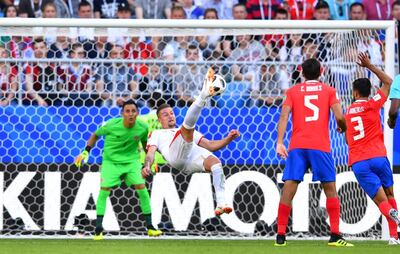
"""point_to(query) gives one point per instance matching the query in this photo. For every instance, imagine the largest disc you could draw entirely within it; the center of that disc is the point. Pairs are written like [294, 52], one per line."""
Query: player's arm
[215, 145]
[393, 111]
[84, 156]
[364, 61]
[282, 125]
[340, 120]
[148, 161]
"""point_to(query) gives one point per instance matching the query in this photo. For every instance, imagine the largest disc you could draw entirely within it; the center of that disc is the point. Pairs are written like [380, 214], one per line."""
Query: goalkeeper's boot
[280, 241]
[153, 232]
[338, 241]
[393, 241]
[394, 215]
[208, 90]
[222, 209]
[98, 234]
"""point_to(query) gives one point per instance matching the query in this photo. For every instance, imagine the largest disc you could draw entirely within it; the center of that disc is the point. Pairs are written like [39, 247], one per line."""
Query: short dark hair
[357, 4]
[129, 102]
[239, 5]
[84, 3]
[362, 86]
[75, 46]
[282, 11]
[178, 8]
[311, 69]
[38, 40]
[321, 5]
[211, 10]
[161, 107]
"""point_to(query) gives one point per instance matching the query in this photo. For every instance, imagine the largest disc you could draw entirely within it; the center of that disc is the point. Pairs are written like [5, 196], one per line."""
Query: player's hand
[82, 159]
[281, 150]
[391, 123]
[233, 134]
[363, 60]
[146, 171]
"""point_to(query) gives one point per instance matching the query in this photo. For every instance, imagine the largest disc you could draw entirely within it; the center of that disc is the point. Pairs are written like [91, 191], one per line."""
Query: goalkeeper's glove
[82, 159]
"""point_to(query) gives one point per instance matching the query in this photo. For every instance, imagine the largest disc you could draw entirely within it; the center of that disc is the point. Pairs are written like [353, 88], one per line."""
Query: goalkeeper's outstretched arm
[84, 156]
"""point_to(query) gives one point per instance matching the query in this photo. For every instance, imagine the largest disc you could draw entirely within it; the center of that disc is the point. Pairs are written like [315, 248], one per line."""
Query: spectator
[118, 35]
[85, 11]
[59, 49]
[357, 12]
[275, 41]
[192, 11]
[248, 50]
[99, 48]
[227, 42]
[309, 50]
[223, 7]
[321, 11]
[32, 8]
[41, 78]
[175, 50]
[177, 12]
[208, 44]
[190, 77]
[63, 10]
[378, 9]
[292, 52]
[106, 8]
[11, 11]
[116, 81]
[271, 85]
[396, 10]
[153, 9]
[138, 49]
[49, 10]
[340, 8]
[299, 9]
[8, 79]
[76, 78]
[262, 9]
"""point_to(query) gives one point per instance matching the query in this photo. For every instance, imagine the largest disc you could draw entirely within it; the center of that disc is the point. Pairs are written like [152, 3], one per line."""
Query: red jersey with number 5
[310, 104]
[364, 129]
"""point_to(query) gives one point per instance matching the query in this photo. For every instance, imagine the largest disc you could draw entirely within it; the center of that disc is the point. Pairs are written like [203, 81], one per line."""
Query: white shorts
[187, 157]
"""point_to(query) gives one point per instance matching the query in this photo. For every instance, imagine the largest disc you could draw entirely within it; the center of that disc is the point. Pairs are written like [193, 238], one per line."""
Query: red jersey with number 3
[364, 129]
[310, 103]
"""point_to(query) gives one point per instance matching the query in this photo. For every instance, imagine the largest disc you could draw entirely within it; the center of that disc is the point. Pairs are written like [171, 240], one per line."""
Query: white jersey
[180, 154]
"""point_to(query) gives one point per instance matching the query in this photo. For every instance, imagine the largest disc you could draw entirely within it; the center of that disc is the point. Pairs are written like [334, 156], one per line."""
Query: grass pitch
[163, 246]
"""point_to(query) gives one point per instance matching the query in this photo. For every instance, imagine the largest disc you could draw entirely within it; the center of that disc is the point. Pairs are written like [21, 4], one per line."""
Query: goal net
[61, 79]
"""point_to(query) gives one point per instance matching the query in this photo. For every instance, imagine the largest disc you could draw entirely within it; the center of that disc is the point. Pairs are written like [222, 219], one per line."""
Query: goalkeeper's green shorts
[112, 173]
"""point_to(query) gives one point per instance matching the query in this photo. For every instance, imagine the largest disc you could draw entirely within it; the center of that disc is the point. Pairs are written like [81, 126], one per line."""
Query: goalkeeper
[121, 158]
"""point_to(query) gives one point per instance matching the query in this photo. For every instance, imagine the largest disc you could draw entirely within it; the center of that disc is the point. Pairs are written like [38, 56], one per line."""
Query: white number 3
[359, 127]
[314, 108]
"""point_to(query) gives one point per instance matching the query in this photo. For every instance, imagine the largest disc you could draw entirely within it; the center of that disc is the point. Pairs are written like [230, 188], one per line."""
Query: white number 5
[359, 127]
[314, 108]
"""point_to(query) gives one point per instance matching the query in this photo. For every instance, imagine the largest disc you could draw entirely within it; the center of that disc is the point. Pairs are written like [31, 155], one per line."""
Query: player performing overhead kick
[367, 152]
[185, 148]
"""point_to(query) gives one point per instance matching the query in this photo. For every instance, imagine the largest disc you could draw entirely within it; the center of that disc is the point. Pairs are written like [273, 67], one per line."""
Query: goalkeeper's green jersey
[152, 120]
[122, 144]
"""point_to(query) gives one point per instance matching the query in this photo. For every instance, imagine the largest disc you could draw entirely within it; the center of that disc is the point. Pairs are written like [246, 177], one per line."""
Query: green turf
[162, 246]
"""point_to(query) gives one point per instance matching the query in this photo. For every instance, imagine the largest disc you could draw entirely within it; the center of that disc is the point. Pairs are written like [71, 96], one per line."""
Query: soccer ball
[218, 85]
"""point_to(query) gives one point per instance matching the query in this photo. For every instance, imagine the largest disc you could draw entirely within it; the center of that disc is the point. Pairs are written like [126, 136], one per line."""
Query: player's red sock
[392, 224]
[333, 209]
[283, 218]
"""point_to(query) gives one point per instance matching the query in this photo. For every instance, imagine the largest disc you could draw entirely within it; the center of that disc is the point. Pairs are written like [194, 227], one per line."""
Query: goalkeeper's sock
[333, 209]
[385, 208]
[101, 202]
[283, 218]
[193, 113]
[218, 178]
[144, 199]
[149, 223]
[99, 224]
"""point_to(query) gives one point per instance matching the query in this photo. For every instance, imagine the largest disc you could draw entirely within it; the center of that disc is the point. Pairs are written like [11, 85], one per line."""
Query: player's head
[129, 112]
[311, 69]
[361, 88]
[166, 116]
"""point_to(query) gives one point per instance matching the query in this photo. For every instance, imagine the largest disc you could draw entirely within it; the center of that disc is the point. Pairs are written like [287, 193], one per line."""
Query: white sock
[218, 183]
[193, 113]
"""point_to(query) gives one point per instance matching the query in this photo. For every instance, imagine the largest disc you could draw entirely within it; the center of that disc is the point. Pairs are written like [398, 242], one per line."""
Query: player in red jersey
[310, 104]
[367, 152]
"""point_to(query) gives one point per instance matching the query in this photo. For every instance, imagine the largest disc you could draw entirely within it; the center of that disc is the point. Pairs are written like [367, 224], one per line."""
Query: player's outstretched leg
[145, 206]
[100, 211]
[194, 110]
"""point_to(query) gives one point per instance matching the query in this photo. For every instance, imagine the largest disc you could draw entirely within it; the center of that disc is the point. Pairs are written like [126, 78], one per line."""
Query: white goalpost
[61, 97]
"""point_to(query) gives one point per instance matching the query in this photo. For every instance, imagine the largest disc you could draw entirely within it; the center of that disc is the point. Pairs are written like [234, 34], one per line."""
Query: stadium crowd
[263, 67]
